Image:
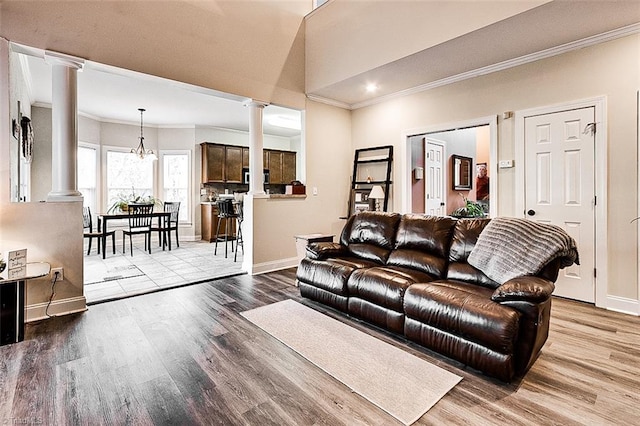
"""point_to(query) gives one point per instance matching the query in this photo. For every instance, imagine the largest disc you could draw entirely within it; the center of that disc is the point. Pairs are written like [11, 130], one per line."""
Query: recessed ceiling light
[372, 87]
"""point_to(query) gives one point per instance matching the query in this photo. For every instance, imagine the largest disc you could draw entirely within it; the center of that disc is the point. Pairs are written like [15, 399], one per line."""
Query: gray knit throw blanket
[511, 247]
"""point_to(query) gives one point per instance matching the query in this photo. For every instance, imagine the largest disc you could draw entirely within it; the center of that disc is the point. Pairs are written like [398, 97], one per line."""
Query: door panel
[434, 185]
[560, 188]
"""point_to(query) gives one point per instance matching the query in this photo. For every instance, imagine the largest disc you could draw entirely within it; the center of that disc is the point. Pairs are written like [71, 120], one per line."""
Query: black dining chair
[99, 234]
[166, 225]
[139, 224]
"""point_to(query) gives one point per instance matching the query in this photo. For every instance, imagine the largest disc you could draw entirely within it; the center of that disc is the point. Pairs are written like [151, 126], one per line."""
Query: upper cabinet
[288, 167]
[224, 163]
[281, 165]
[233, 164]
[213, 159]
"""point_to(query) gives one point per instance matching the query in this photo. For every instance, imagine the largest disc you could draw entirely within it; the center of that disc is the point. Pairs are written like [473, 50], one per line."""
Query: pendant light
[140, 151]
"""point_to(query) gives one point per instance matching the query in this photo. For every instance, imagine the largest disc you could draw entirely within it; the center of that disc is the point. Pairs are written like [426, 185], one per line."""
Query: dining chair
[166, 225]
[87, 223]
[139, 224]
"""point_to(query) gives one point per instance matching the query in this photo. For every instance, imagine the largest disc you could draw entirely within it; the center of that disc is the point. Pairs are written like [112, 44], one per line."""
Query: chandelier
[140, 151]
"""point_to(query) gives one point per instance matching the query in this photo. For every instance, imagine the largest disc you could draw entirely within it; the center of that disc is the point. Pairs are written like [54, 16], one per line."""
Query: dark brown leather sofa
[409, 274]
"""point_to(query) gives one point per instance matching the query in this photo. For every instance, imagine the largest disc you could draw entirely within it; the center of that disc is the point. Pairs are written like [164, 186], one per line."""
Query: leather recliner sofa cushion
[461, 321]
[372, 236]
[465, 235]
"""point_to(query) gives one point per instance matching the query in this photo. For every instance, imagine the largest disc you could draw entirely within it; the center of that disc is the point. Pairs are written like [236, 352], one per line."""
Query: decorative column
[64, 133]
[256, 160]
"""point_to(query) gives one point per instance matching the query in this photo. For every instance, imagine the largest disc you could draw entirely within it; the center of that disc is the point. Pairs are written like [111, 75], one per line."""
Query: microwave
[245, 176]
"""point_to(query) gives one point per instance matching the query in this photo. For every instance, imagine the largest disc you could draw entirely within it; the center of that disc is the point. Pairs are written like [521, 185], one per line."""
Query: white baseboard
[68, 306]
[275, 265]
[623, 305]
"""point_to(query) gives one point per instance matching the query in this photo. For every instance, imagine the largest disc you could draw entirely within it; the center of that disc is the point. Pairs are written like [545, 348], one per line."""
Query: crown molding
[328, 101]
[500, 66]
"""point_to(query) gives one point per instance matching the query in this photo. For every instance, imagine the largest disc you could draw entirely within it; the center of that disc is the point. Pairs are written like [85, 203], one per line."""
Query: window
[175, 180]
[87, 176]
[126, 175]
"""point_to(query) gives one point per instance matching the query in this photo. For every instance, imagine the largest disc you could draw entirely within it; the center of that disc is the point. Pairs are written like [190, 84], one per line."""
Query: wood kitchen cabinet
[233, 164]
[275, 167]
[209, 223]
[245, 158]
[213, 162]
[224, 163]
[288, 167]
[281, 165]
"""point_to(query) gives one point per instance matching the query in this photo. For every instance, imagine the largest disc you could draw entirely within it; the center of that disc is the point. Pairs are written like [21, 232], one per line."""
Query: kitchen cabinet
[224, 163]
[213, 162]
[209, 223]
[245, 158]
[281, 165]
[233, 164]
[288, 167]
[275, 167]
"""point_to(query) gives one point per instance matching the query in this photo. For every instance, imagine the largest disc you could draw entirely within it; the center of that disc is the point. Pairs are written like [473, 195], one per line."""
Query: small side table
[12, 301]
[302, 241]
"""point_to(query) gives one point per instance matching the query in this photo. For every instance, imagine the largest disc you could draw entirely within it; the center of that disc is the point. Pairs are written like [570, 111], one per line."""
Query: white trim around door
[404, 177]
[601, 246]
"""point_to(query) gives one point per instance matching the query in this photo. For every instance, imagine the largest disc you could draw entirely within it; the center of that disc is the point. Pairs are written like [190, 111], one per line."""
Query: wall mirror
[461, 170]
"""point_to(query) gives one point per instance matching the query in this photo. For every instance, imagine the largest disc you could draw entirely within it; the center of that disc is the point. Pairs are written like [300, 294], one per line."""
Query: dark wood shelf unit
[385, 157]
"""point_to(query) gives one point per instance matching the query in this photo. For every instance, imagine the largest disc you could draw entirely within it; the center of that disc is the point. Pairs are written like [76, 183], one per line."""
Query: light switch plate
[505, 164]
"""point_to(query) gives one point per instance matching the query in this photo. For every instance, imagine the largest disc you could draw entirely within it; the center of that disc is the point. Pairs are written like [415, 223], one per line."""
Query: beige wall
[611, 69]
[248, 48]
[384, 31]
[328, 168]
[51, 232]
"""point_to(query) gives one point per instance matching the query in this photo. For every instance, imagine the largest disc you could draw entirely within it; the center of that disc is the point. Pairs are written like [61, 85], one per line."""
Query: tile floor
[192, 262]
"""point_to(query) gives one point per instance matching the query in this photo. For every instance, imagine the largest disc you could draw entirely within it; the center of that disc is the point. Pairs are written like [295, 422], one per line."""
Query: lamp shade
[377, 192]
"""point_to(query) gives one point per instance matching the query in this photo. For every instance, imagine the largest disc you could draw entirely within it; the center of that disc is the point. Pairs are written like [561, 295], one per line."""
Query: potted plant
[470, 209]
[123, 201]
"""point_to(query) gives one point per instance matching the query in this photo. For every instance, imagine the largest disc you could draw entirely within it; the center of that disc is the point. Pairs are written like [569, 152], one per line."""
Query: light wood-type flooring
[185, 356]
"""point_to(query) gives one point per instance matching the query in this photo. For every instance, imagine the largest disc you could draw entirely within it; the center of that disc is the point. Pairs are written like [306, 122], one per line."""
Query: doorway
[428, 178]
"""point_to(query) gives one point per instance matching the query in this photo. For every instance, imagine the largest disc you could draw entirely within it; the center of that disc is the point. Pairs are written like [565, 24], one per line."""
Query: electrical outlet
[60, 272]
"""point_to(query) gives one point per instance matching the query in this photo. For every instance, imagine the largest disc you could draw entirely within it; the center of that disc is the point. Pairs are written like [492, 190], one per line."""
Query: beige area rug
[401, 384]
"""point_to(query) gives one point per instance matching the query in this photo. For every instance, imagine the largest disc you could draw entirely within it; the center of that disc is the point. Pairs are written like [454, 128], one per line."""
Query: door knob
[531, 212]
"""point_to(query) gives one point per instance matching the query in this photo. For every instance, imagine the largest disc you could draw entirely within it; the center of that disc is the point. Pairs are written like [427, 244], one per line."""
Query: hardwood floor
[186, 356]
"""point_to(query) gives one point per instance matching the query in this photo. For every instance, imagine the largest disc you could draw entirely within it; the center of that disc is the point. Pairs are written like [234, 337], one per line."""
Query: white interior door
[560, 188]
[434, 185]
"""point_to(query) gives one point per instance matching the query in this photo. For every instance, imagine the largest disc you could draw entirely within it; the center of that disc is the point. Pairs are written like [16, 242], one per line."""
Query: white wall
[611, 69]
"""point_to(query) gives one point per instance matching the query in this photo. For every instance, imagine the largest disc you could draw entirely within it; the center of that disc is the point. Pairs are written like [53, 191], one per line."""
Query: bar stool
[228, 215]
[239, 241]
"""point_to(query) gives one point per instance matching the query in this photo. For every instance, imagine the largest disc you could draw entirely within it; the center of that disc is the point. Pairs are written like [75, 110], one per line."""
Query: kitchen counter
[270, 196]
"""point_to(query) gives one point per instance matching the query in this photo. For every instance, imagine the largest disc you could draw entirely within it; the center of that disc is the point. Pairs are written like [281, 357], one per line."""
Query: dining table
[104, 218]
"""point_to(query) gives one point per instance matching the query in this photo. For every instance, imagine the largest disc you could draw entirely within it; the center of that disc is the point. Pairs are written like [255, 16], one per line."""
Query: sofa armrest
[528, 289]
[324, 250]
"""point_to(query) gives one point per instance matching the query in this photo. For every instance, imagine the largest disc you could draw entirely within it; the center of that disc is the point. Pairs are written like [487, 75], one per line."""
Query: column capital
[55, 58]
[255, 103]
